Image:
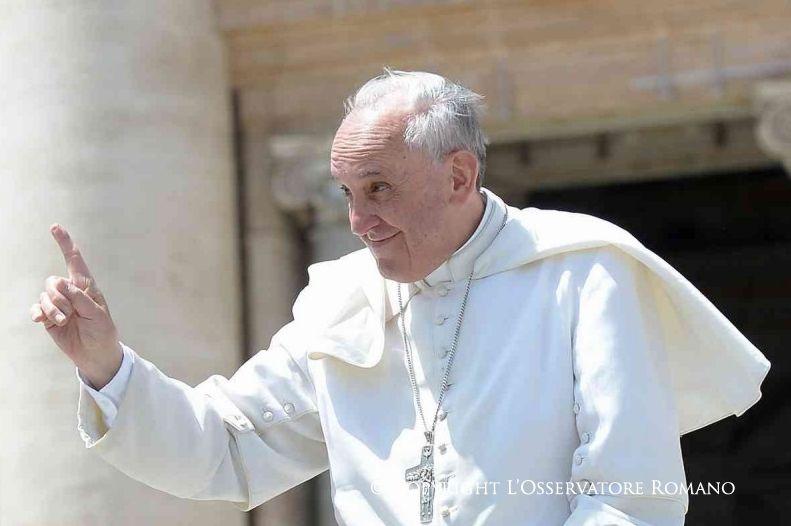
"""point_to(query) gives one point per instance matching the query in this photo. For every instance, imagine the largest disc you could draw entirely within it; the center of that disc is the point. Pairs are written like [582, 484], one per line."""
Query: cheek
[424, 225]
[419, 217]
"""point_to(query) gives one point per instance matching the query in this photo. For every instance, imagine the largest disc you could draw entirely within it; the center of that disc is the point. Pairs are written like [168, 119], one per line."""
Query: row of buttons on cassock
[440, 319]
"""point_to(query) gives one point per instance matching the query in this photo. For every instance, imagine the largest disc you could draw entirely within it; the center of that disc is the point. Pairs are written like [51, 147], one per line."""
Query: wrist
[99, 373]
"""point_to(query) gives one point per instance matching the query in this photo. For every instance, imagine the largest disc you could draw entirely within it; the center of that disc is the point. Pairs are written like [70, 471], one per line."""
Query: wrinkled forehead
[368, 137]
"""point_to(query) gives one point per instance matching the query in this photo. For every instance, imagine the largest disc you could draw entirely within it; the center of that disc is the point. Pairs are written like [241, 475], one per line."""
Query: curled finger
[51, 311]
[37, 315]
[54, 287]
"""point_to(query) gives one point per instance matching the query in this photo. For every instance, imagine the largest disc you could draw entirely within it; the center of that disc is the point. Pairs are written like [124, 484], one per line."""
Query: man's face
[398, 199]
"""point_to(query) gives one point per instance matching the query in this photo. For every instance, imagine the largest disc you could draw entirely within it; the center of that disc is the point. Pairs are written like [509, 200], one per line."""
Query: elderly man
[474, 364]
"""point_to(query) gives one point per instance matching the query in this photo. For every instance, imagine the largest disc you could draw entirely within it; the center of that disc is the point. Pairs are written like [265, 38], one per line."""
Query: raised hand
[77, 318]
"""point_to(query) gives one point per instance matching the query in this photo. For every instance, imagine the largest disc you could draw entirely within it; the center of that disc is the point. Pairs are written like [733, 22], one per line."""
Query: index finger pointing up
[78, 269]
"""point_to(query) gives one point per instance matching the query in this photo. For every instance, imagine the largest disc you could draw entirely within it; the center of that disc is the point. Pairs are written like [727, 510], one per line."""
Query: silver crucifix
[424, 474]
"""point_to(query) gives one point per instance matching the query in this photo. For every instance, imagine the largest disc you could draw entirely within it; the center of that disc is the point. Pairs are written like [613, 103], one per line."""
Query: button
[445, 512]
[442, 291]
[268, 415]
[442, 448]
[442, 414]
[585, 485]
[445, 351]
[578, 459]
[440, 319]
[288, 408]
[586, 437]
[576, 408]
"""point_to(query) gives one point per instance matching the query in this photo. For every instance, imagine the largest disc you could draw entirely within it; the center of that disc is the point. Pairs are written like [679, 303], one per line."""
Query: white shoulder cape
[716, 372]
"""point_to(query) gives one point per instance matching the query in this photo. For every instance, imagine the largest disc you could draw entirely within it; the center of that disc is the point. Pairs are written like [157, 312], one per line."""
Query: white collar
[459, 264]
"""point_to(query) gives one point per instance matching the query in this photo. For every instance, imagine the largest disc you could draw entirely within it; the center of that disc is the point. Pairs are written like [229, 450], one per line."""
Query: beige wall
[544, 66]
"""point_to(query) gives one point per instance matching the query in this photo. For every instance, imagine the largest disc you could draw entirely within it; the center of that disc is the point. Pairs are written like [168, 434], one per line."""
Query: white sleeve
[624, 404]
[243, 439]
[108, 398]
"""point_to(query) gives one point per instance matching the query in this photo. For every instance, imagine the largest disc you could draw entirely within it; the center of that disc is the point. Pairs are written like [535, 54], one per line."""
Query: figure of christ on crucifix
[424, 474]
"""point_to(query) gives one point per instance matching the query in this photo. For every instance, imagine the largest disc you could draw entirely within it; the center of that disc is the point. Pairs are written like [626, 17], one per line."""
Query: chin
[391, 270]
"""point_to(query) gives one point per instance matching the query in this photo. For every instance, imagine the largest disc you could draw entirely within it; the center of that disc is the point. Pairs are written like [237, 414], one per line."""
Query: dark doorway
[730, 235]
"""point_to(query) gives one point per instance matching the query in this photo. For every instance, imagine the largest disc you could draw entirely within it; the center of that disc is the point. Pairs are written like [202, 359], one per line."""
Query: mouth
[380, 242]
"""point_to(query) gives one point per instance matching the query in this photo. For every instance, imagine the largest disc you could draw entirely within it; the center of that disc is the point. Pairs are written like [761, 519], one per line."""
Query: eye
[379, 187]
[344, 191]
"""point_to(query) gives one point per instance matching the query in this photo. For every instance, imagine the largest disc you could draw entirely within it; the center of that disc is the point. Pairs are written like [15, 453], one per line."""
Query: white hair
[443, 116]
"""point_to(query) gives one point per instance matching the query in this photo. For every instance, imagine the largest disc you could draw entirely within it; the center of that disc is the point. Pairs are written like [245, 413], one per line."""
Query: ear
[464, 174]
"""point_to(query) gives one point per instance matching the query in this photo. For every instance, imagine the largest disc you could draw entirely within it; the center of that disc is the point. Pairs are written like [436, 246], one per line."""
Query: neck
[471, 218]
[474, 215]
[467, 219]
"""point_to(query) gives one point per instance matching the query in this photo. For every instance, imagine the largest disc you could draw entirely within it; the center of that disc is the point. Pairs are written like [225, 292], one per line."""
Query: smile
[381, 242]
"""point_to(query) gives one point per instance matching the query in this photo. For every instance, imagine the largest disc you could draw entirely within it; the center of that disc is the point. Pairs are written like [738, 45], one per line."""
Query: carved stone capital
[302, 185]
[773, 105]
[301, 177]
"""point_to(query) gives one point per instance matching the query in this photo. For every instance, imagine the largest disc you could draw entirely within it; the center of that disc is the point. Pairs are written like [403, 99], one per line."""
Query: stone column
[302, 187]
[773, 106]
[275, 269]
[115, 123]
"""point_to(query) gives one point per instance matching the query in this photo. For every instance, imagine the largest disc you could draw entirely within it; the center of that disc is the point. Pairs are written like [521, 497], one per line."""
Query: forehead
[367, 138]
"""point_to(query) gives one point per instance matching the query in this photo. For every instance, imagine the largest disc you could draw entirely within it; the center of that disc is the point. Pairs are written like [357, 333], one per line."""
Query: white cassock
[582, 358]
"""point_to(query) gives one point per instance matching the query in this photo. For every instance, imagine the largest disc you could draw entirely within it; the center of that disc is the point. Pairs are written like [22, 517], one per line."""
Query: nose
[361, 219]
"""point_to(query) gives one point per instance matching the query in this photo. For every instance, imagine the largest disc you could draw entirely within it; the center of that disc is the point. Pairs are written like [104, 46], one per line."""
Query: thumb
[85, 306]
[93, 292]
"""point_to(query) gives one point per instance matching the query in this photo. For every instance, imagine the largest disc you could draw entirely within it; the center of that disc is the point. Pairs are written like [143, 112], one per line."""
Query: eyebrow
[365, 174]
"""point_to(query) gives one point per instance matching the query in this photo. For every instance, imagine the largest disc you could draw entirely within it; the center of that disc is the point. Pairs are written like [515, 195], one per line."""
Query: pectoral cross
[424, 474]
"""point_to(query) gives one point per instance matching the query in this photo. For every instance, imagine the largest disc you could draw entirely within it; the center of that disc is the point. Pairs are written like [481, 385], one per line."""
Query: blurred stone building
[185, 145]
